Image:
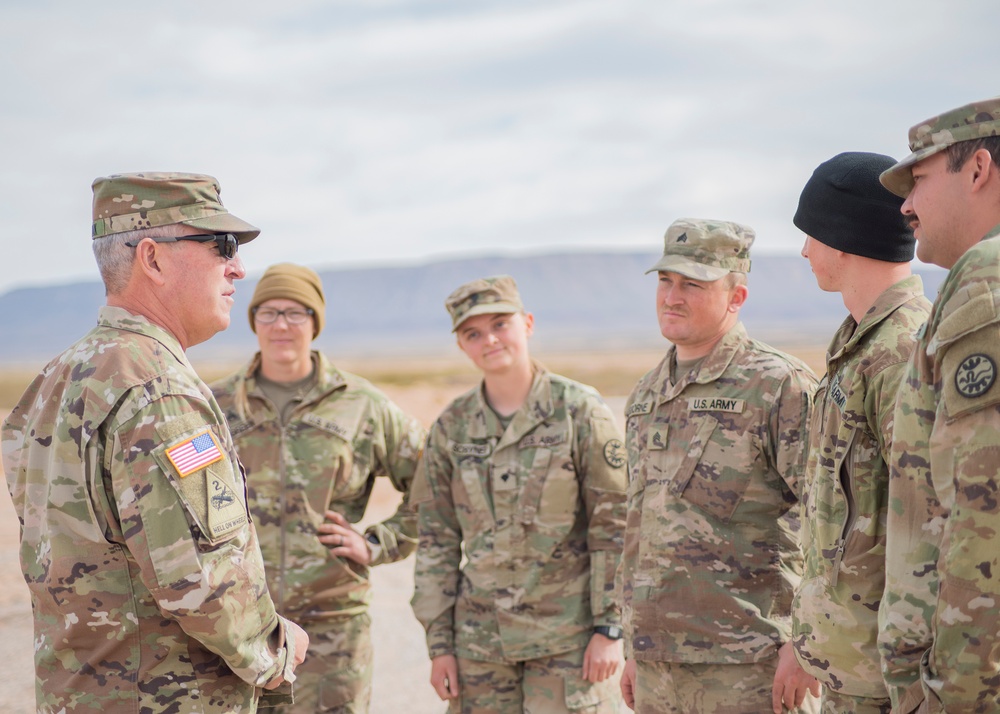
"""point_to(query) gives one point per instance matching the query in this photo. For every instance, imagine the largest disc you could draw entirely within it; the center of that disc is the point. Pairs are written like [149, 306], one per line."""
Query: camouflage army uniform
[940, 614]
[711, 555]
[538, 511]
[847, 480]
[342, 435]
[146, 579]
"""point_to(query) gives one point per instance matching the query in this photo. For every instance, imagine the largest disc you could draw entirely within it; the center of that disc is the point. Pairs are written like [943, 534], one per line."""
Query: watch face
[612, 632]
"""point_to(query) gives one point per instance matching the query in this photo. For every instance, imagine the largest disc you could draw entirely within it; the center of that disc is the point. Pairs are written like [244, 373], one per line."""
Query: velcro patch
[637, 408]
[536, 440]
[614, 453]
[470, 449]
[225, 511]
[195, 453]
[327, 425]
[975, 375]
[969, 372]
[716, 404]
[657, 437]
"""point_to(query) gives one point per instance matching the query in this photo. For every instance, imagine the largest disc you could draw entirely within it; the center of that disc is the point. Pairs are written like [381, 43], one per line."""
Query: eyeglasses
[227, 243]
[293, 316]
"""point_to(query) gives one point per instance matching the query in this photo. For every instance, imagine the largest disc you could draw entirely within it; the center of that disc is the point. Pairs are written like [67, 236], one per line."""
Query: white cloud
[366, 131]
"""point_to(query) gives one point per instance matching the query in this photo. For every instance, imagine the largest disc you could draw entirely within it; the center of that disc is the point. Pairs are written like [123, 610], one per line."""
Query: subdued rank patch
[716, 404]
[614, 453]
[225, 511]
[194, 453]
[975, 375]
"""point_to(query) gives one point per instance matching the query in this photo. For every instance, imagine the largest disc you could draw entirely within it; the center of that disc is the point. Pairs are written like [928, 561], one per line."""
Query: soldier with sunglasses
[147, 583]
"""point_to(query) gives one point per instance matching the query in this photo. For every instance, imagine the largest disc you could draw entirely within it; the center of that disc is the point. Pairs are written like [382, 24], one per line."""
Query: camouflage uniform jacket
[339, 438]
[940, 614]
[712, 555]
[147, 586]
[538, 510]
[847, 483]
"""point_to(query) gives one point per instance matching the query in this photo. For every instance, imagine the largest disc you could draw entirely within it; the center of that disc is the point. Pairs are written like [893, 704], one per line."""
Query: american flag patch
[195, 453]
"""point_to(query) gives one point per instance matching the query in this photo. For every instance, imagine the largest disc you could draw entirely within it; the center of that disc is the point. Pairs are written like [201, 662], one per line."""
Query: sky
[374, 132]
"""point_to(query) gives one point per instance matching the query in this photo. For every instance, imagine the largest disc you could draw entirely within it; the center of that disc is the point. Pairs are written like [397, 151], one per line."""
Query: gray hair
[115, 258]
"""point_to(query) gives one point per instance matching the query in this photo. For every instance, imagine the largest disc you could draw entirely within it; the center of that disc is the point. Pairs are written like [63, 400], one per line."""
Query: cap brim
[226, 223]
[899, 177]
[492, 308]
[688, 268]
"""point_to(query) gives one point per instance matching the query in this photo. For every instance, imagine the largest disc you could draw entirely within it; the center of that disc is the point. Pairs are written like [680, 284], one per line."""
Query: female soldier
[525, 474]
[313, 439]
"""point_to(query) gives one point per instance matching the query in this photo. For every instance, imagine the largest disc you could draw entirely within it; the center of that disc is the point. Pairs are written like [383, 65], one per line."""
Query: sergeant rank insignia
[975, 375]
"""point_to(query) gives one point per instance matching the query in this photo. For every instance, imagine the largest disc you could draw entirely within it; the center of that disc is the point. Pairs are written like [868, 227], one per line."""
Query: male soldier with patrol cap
[716, 448]
[147, 583]
[313, 439]
[940, 614]
[858, 245]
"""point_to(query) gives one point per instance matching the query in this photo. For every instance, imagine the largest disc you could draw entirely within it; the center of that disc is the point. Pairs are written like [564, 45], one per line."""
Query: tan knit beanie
[291, 282]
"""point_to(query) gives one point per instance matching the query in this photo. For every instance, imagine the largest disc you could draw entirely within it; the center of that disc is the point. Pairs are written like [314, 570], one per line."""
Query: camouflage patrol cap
[973, 121]
[129, 202]
[705, 249]
[485, 296]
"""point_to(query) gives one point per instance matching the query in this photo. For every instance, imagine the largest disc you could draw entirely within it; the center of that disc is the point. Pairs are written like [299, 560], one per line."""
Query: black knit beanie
[844, 206]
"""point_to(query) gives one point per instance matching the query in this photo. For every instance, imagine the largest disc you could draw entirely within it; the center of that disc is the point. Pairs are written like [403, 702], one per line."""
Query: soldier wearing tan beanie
[291, 282]
[313, 439]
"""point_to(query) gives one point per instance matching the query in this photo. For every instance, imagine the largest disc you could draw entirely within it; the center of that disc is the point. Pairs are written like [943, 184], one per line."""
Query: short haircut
[735, 278]
[114, 258]
[959, 153]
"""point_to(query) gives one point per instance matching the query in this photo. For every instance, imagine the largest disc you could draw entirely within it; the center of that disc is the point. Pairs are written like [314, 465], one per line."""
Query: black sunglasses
[227, 243]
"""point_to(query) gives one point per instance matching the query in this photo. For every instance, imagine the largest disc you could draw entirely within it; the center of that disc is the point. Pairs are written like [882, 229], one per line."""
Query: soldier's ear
[148, 257]
[737, 296]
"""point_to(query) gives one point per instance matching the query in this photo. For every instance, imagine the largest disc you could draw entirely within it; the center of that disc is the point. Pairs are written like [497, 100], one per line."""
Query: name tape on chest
[195, 453]
[716, 404]
[470, 449]
[637, 408]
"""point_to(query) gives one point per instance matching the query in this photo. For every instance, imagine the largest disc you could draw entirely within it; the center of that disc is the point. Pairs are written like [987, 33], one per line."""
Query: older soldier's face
[695, 314]
[498, 342]
[934, 210]
[202, 285]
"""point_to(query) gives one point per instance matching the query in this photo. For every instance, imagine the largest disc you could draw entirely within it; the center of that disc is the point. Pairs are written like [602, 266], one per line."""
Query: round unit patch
[975, 375]
[614, 453]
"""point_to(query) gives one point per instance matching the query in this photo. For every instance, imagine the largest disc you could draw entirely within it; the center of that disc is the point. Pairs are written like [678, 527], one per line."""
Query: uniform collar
[711, 368]
[328, 380]
[537, 408]
[851, 333]
[119, 318]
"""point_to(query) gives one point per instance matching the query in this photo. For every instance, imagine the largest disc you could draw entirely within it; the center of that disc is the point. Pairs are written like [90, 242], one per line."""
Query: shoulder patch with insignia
[195, 453]
[975, 375]
[614, 453]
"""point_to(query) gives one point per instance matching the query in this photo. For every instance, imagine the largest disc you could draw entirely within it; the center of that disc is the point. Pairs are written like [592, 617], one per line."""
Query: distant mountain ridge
[597, 301]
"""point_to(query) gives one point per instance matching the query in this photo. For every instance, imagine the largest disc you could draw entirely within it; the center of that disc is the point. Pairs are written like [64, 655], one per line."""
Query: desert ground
[422, 388]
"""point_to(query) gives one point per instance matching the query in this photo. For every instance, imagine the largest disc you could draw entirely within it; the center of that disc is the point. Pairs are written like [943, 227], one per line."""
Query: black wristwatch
[612, 632]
